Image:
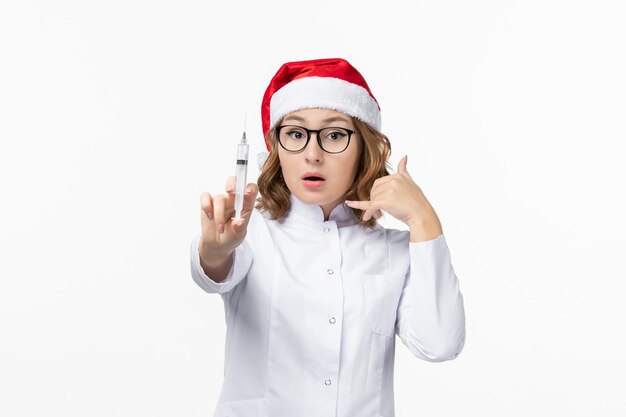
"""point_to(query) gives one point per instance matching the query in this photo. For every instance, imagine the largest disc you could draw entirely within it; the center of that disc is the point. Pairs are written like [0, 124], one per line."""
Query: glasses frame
[317, 135]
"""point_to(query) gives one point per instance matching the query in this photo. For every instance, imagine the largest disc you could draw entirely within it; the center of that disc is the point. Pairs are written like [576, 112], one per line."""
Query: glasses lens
[334, 139]
[293, 138]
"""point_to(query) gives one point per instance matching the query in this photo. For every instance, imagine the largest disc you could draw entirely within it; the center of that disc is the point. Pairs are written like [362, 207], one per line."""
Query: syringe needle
[243, 139]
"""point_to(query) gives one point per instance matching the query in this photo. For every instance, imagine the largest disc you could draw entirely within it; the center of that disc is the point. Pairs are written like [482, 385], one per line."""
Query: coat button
[326, 229]
[332, 320]
[327, 382]
[330, 271]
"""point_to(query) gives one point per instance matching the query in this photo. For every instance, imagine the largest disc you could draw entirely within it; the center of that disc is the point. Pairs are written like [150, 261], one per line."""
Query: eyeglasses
[331, 139]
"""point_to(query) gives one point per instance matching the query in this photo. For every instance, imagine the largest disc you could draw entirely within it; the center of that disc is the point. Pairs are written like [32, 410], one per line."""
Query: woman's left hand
[400, 196]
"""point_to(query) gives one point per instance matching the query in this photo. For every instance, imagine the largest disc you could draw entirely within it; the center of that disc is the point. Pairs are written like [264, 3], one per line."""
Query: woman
[314, 289]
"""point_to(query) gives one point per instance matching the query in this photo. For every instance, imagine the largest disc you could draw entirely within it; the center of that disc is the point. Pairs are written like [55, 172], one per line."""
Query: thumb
[402, 166]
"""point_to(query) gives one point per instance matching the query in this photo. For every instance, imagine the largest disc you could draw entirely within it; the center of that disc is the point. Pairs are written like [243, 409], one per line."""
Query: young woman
[314, 289]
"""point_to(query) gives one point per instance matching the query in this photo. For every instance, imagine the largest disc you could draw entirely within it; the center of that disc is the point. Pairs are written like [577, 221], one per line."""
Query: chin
[308, 196]
[311, 197]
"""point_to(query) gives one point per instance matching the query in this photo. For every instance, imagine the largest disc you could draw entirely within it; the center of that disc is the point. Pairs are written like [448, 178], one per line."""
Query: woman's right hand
[221, 234]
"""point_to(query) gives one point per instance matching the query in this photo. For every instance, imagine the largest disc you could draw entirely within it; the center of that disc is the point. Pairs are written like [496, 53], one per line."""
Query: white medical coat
[312, 308]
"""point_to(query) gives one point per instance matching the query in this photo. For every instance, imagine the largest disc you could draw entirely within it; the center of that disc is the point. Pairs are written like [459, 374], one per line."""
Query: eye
[295, 134]
[335, 134]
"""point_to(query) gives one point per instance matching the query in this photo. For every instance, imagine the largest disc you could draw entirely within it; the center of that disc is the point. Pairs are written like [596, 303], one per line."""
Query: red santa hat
[331, 83]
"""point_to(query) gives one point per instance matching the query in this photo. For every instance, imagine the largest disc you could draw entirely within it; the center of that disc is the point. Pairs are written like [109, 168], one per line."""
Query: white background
[116, 115]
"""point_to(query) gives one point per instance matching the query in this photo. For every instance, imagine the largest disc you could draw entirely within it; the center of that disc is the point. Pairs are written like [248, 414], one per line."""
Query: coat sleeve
[241, 265]
[430, 318]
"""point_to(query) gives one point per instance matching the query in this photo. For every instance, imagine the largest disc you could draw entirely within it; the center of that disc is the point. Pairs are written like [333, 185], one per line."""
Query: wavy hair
[373, 164]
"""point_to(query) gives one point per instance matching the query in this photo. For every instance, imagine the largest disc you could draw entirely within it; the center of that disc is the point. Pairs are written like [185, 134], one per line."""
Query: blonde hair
[373, 164]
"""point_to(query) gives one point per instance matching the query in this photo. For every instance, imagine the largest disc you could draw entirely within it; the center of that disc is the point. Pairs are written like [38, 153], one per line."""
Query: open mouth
[312, 176]
[313, 179]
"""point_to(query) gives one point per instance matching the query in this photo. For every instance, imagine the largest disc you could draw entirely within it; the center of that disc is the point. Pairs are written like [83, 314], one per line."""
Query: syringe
[240, 174]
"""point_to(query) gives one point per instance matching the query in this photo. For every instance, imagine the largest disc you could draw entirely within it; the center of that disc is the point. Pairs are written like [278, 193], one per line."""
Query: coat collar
[312, 214]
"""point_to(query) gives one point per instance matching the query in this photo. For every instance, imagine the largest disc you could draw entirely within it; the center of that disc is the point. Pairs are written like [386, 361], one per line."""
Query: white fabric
[312, 307]
[325, 93]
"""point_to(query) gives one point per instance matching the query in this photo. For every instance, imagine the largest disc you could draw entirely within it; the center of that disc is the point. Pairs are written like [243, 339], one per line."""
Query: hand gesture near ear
[220, 233]
[400, 196]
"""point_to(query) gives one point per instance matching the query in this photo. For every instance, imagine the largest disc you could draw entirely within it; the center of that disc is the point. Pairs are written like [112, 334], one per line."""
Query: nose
[313, 153]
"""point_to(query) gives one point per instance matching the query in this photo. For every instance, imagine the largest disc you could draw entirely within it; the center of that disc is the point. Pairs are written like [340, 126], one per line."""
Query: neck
[328, 208]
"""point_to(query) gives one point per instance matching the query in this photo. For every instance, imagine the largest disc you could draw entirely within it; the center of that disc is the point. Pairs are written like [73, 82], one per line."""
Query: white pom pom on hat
[330, 83]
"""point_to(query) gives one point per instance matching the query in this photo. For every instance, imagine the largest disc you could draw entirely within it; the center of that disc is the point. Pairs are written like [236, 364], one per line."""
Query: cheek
[354, 164]
[286, 167]
[346, 169]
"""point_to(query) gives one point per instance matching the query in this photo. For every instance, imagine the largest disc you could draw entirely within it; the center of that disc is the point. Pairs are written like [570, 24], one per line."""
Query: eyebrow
[330, 119]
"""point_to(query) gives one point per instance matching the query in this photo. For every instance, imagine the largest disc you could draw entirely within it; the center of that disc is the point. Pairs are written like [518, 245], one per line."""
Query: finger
[361, 205]
[230, 184]
[237, 224]
[218, 211]
[402, 165]
[377, 193]
[367, 214]
[372, 212]
[252, 190]
[206, 204]
[208, 226]
[249, 200]
[382, 181]
[229, 207]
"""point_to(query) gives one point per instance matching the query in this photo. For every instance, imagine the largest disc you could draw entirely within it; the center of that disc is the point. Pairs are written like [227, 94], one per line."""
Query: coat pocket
[380, 302]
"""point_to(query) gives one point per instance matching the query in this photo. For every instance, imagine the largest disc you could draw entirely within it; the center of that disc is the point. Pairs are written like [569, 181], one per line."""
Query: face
[313, 175]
